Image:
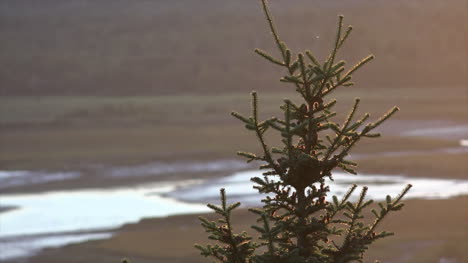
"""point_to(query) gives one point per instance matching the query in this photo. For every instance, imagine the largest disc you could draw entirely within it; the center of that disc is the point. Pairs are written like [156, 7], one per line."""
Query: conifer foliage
[298, 222]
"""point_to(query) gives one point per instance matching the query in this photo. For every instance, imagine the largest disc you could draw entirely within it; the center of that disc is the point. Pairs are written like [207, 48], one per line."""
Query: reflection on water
[43, 219]
[464, 143]
[239, 187]
[463, 148]
[11, 179]
[88, 209]
[446, 131]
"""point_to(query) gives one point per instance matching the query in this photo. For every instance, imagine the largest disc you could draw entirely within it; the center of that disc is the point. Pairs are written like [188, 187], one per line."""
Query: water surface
[46, 219]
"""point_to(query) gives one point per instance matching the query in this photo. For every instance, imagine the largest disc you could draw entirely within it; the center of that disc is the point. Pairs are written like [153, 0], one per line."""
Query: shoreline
[415, 156]
[450, 161]
[71, 237]
[158, 239]
[7, 208]
[386, 162]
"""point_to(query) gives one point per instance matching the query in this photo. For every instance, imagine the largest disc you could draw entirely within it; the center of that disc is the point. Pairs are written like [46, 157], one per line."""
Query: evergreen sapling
[298, 223]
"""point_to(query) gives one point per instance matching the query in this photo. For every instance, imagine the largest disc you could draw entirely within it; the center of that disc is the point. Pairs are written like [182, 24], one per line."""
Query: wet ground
[63, 216]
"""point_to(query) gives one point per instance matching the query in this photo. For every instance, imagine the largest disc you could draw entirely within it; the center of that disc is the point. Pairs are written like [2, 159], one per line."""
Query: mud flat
[66, 217]
[420, 238]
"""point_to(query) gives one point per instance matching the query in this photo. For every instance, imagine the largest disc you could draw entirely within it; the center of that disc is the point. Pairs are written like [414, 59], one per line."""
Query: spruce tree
[298, 222]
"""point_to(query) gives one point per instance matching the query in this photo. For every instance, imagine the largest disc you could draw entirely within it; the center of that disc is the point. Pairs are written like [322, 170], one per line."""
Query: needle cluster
[298, 221]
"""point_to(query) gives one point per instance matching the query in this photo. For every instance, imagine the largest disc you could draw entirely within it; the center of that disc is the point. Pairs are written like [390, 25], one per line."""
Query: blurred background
[115, 127]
